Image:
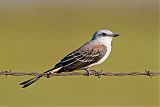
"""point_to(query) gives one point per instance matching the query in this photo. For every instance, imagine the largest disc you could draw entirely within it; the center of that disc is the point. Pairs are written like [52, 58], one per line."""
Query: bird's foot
[98, 74]
[92, 72]
[88, 72]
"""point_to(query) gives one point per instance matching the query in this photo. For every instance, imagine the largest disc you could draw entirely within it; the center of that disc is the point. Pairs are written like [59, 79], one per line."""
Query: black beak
[115, 35]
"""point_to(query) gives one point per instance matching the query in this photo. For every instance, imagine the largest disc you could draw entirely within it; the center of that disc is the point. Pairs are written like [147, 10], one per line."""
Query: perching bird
[90, 54]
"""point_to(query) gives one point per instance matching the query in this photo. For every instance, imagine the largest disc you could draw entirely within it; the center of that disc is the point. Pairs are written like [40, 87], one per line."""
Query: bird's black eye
[104, 34]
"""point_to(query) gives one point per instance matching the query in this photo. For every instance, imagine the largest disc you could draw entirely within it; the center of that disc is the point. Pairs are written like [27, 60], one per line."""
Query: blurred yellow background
[36, 34]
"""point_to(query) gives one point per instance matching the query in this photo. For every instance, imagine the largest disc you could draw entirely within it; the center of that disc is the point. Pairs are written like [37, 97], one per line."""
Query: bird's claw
[98, 74]
[87, 74]
[90, 72]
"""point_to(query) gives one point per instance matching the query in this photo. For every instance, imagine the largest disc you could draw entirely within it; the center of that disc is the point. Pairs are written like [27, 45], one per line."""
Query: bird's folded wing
[83, 57]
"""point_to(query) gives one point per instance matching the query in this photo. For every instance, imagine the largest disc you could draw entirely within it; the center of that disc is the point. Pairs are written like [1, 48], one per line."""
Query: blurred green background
[36, 34]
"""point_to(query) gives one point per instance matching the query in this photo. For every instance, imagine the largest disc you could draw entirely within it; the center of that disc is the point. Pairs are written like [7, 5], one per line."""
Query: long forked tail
[30, 81]
[36, 78]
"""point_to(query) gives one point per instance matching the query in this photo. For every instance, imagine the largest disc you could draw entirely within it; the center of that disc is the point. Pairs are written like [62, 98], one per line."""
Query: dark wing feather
[82, 57]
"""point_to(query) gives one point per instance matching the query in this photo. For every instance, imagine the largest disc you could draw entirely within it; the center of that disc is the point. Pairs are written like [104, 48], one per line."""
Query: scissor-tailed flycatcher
[90, 54]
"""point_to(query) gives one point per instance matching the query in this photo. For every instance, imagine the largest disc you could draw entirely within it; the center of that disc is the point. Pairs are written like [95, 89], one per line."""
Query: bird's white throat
[105, 40]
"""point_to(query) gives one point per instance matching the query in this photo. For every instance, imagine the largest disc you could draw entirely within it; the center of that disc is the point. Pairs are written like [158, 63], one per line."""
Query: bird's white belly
[104, 58]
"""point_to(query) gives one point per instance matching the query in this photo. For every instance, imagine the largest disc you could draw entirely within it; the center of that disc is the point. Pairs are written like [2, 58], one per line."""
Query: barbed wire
[95, 73]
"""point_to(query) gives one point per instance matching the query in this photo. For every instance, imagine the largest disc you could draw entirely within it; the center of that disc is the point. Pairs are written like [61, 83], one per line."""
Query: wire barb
[148, 73]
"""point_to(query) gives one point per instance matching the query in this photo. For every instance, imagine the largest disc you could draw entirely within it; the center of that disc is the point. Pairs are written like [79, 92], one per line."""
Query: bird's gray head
[104, 34]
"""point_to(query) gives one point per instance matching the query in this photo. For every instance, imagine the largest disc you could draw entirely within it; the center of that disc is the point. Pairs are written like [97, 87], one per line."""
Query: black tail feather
[30, 81]
[26, 81]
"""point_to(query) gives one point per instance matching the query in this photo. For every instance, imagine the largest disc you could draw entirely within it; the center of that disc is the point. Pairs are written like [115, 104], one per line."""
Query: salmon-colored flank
[98, 47]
